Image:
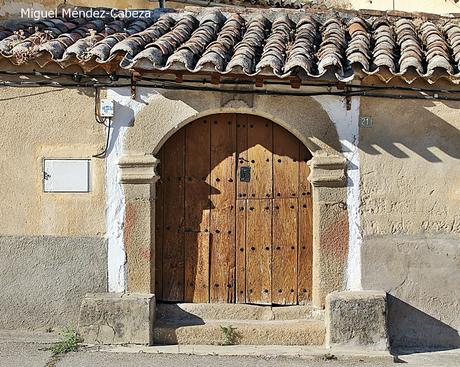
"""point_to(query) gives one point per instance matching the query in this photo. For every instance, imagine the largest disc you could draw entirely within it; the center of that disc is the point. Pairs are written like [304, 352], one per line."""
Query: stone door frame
[330, 216]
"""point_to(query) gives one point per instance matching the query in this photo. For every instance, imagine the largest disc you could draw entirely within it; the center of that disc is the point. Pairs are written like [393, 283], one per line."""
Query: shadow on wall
[419, 126]
[411, 330]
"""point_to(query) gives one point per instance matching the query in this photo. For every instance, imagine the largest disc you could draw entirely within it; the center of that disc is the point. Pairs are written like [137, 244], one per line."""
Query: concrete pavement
[20, 349]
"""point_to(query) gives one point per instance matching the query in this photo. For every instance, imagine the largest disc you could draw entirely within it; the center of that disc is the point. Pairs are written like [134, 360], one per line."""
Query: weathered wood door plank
[223, 194]
[197, 210]
[241, 203]
[258, 251]
[284, 258]
[259, 156]
[305, 258]
[285, 163]
[173, 234]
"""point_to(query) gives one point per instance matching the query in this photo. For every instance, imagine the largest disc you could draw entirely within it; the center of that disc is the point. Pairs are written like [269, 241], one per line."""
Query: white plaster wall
[347, 124]
[126, 110]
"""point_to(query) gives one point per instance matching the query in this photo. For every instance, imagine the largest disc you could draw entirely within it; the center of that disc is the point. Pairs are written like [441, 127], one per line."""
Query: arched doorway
[233, 217]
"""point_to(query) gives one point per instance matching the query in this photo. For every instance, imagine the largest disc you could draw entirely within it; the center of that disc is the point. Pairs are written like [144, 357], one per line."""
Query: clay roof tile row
[264, 42]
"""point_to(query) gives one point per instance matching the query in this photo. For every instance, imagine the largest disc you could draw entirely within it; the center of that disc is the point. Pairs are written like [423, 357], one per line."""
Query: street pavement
[19, 349]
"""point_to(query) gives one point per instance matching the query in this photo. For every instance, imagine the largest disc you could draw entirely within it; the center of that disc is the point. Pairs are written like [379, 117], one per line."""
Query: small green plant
[229, 334]
[69, 343]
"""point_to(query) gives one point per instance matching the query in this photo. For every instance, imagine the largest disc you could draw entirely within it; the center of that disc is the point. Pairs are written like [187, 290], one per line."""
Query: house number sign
[245, 174]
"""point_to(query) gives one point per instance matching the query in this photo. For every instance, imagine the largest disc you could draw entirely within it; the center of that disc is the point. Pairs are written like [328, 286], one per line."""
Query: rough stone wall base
[43, 279]
[422, 279]
[117, 318]
[356, 319]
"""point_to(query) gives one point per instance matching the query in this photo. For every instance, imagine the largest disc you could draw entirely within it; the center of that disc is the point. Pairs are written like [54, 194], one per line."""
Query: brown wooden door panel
[240, 259]
[260, 156]
[242, 154]
[258, 251]
[304, 171]
[285, 163]
[305, 258]
[222, 239]
[223, 163]
[197, 210]
[173, 234]
[196, 267]
[284, 258]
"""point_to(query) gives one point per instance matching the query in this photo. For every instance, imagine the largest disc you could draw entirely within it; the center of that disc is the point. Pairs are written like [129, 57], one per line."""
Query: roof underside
[260, 43]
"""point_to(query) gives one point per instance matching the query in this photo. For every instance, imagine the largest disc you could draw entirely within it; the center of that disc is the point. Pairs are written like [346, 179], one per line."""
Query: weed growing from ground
[69, 343]
[229, 334]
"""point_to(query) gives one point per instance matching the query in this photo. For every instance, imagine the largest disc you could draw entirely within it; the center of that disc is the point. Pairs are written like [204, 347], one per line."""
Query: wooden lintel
[259, 81]
[215, 78]
[295, 82]
[341, 85]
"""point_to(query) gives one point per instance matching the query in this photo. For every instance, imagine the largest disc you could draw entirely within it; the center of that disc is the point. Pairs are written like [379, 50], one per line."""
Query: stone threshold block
[117, 318]
[356, 318]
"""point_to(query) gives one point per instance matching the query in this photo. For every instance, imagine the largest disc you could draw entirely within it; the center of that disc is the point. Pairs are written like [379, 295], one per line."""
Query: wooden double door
[233, 214]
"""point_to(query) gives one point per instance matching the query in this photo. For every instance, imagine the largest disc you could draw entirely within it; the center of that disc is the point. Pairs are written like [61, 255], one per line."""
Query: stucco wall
[47, 235]
[44, 278]
[410, 191]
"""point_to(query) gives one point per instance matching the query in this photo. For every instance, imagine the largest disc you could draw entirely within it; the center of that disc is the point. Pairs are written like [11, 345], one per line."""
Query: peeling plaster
[126, 109]
[347, 124]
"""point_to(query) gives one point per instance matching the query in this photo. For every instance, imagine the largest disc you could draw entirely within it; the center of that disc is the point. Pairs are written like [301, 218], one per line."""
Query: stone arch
[165, 113]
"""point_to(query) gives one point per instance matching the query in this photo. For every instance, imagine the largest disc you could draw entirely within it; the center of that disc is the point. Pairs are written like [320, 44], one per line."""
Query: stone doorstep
[352, 319]
[227, 311]
[200, 324]
[303, 352]
[247, 332]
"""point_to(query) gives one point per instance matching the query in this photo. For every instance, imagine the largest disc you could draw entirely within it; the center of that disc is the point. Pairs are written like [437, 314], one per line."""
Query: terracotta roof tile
[263, 42]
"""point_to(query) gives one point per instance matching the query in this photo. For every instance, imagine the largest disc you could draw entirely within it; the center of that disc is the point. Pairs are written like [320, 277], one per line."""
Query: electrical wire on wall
[106, 121]
[112, 81]
[228, 86]
[103, 153]
[97, 103]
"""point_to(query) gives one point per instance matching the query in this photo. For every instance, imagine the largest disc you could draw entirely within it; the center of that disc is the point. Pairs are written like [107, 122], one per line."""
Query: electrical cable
[348, 91]
[181, 86]
[103, 154]
[236, 81]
